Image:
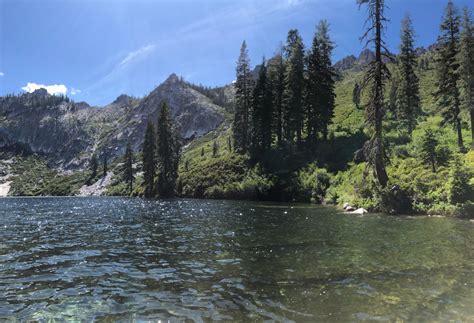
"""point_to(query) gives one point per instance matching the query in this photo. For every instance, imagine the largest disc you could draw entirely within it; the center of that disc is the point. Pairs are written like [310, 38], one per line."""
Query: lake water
[129, 259]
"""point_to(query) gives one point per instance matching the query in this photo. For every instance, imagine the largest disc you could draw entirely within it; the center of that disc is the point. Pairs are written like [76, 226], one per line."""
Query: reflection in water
[122, 259]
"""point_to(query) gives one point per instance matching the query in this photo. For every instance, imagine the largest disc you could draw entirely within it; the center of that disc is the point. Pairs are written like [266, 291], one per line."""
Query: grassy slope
[430, 192]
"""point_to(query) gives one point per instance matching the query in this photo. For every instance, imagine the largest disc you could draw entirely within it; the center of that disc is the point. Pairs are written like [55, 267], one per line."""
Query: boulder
[359, 211]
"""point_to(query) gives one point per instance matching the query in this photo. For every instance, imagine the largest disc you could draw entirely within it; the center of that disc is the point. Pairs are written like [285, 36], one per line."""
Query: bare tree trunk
[472, 127]
[380, 171]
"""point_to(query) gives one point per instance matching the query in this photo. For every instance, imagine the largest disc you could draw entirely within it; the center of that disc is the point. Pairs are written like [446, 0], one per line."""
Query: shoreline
[288, 204]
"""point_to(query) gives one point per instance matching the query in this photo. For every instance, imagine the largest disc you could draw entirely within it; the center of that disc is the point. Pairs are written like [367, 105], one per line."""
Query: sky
[94, 51]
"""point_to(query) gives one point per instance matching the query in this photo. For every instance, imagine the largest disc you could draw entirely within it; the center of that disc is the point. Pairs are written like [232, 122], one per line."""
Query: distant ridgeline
[381, 131]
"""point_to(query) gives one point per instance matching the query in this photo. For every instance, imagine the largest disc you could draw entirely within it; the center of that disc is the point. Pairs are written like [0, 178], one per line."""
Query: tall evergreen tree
[328, 97]
[314, 89]
[261, 133]
[276, 72]
[243, 98]
[375, 78]
[149, 163]
[104, 165]
[93, 166]
[294, 85]
[408, 98]
[356, 95]
[128, 174]
[448, 70]
[215, 149]
[429, 143]
[167, 154]
[467, 66]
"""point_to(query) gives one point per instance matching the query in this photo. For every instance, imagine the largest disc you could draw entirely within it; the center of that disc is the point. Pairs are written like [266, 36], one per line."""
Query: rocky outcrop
[98, 188]
[67, 133]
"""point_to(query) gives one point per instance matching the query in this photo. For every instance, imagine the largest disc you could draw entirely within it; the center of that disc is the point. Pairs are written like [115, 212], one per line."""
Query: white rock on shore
[4, 189]
[98, 188]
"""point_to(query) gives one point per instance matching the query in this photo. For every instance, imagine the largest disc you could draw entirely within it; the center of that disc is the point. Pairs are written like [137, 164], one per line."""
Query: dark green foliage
[104, 165]
[429, 144]
[356, 95]
[448, 70]
[243, 100]
[261, 130]
[408, 99]
[375, 78]
[168, 152]
[327, 77]
[276, 75]
[461, 190]
[215, 149]
[93, 166]
[292, 115]
[149, 162]
[127, 170]
[467, 66]
[202, 152]
[229, 144]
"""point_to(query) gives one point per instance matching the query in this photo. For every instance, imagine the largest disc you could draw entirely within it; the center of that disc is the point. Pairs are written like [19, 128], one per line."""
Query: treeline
[291, 101]
[160, 156]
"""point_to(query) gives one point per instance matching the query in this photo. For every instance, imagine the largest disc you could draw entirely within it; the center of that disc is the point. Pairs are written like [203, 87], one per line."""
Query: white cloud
[75, 91]
[141, 52]
[2, 74]
[52, 89]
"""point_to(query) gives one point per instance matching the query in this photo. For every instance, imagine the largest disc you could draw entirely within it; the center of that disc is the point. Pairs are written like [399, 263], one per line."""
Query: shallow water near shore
[199, 260]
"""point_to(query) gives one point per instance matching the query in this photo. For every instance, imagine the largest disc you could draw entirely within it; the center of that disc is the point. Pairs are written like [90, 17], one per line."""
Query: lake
[123, 259]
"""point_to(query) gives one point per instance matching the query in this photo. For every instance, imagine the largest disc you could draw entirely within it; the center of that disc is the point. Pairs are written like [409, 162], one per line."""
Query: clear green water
[129, 259]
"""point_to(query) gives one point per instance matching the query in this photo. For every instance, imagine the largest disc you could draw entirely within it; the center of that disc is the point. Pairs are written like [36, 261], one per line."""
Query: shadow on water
[131, 259]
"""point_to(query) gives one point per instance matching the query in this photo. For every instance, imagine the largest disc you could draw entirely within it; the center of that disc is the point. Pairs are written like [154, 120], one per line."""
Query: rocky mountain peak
[172, 79]
[122, 99]
[40, 92]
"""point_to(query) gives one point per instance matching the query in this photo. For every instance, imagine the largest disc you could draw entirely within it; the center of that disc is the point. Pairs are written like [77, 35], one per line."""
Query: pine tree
[93, 166]
[313, 90]
[467, 67]
[448, 70]
[428, 147]
[375, 78]
[229, 144]
[294, 83]
[243, 95]
[261, 131]
[128, 174]
[104, 165]
[356, 95]
[202, 152]
[168, 150]
[215, 149]
[276, 75]
[408, 98]
[149, 163]
[328, 97]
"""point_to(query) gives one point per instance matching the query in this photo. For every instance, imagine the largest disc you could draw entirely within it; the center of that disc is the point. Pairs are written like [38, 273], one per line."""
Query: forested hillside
[387, 132]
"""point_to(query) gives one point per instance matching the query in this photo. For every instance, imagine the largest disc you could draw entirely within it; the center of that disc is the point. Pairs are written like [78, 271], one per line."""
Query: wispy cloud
[137, 54]
[2, 74]
[75, 91]
[52, 89]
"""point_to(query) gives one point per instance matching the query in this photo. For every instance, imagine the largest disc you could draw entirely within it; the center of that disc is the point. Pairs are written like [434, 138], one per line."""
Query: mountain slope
[67, 133]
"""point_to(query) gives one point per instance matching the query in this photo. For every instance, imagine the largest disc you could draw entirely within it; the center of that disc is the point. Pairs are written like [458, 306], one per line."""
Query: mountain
[67, 133]
[358, 63]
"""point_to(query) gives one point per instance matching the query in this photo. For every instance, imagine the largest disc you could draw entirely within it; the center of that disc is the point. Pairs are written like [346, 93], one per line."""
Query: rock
[346, 205]
[348, 208]
[359, 211]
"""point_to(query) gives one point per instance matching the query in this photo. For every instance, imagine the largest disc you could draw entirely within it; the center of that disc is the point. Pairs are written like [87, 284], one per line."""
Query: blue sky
[97, 50]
